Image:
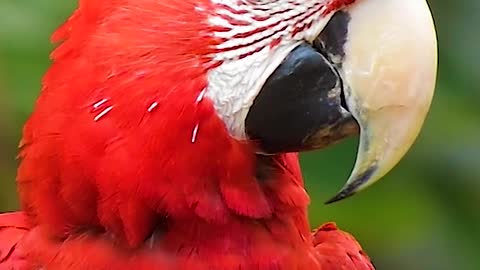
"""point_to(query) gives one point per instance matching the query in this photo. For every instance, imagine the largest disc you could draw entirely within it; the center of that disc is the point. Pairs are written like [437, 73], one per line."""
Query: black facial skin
[301, 105]
[333, 38]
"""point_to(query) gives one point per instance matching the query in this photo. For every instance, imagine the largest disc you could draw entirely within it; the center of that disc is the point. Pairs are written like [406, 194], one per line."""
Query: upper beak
[389, 75]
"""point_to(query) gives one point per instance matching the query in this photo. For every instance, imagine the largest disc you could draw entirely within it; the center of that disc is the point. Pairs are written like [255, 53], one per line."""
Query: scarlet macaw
[166, 133]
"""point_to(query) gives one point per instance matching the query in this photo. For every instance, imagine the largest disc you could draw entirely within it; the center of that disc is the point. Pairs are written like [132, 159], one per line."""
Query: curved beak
[371, 70]
[389, 74]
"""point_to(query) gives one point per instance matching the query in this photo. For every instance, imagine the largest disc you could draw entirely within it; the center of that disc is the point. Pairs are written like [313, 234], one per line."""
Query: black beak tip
[353, 187]
[340, 196]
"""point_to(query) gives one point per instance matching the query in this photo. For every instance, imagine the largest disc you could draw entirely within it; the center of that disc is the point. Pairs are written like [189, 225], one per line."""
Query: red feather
[122, 168]
[338, 250]
[334, 5]
[13, 227]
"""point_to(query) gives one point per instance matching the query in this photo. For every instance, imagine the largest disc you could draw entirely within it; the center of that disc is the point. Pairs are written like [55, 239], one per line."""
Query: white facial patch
[258, 39]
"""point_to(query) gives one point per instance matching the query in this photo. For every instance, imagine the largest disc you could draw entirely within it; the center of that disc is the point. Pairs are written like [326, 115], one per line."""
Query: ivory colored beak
[389, 75]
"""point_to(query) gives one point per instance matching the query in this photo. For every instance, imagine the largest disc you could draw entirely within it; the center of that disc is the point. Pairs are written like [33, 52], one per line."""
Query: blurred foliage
[424, 215]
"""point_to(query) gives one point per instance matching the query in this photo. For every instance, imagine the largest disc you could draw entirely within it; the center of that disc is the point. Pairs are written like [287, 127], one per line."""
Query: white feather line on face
[234, 85]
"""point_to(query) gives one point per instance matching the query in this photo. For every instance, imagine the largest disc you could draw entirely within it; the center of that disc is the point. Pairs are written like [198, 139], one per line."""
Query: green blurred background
[424, 215]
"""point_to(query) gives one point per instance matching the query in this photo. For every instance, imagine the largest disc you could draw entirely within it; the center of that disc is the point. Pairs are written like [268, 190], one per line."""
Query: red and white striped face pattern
[256, 36]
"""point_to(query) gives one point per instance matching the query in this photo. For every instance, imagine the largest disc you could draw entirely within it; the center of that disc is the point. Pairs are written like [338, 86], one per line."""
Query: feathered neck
[122, 158]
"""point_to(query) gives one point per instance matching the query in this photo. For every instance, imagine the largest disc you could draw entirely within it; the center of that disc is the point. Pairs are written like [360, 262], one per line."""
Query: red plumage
[110, 179]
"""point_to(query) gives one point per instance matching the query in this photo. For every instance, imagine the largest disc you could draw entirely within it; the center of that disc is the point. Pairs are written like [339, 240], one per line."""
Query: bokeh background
[425, 215]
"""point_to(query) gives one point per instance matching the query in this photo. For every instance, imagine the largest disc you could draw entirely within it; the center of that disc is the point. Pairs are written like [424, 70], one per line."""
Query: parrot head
[182, 108]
